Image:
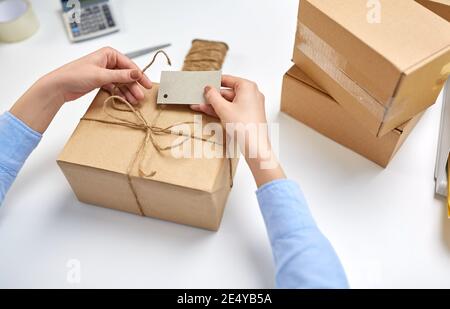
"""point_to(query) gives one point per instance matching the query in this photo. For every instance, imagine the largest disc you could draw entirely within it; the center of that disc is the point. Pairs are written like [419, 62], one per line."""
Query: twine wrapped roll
[205, 56]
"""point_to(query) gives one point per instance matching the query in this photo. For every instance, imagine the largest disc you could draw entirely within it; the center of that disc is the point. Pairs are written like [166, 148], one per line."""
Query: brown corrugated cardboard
[440, 7]
[304, 100]
[96, 161]
[382, 73]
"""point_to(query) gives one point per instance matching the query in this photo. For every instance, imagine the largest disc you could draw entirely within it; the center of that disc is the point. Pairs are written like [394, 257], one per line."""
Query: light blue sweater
[303, 256]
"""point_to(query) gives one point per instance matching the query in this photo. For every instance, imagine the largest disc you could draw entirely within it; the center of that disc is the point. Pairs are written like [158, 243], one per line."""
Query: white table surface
[386, 225]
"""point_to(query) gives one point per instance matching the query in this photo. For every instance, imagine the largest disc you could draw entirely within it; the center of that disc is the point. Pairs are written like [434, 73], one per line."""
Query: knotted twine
[150, 129]
[205, 56]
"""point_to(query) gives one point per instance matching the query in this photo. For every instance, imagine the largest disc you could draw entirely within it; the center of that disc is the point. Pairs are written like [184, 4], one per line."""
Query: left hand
[103, 68]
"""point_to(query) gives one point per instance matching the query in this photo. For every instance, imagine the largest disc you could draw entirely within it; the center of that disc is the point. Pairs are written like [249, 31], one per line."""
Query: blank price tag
[179, 87]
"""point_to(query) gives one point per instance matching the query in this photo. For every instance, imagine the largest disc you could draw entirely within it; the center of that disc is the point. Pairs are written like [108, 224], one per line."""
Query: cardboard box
[304, 100]
[440, 7]
[105, 167]
[382, 73]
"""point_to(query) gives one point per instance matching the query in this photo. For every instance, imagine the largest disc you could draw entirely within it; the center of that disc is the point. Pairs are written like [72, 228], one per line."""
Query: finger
[117, 60]
[109, 88]
[196, 108]
[136, 91]
[231, 81]
[228, 94]
[128, 96]
[146, 82]
[206, 109]
[237, 83]
[113, 90]
[107, 76]
[213, 97]
[120, 93]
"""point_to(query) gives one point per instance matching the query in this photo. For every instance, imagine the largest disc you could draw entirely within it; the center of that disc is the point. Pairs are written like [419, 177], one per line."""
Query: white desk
[386, 225]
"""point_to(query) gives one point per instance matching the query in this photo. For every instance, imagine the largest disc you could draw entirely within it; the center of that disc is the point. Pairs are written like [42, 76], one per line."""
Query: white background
[386, 225]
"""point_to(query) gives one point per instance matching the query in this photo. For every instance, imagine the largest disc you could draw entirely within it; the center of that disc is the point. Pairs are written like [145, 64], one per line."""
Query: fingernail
[135, 74]
[207, 89]
[148, 79]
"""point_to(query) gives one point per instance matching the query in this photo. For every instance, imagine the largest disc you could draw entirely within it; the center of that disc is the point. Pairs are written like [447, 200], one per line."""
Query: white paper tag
[187, 88]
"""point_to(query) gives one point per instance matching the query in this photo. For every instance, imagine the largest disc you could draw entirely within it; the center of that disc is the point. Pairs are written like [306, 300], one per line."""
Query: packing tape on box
[334, 64]
[17, 20]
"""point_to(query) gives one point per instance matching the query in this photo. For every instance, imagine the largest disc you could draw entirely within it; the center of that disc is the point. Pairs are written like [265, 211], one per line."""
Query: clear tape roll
[17, 20]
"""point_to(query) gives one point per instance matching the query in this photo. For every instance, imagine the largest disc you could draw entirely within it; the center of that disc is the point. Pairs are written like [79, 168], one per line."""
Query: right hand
[247, 102]
[241, 109]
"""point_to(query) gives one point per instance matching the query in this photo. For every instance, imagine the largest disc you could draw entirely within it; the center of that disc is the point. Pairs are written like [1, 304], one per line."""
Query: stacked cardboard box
[440, 7]
[364, 74]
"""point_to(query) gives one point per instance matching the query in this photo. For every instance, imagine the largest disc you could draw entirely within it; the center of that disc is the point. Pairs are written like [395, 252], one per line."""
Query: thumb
[120, 76]
[215, 99]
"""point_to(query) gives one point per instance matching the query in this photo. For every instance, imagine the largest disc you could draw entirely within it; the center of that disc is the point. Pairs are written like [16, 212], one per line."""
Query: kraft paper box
[101, 164]
[440, 7]
[384, 67]
[304, 100]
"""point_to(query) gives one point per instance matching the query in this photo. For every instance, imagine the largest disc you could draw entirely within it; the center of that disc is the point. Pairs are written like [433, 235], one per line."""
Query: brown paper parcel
[96, 162]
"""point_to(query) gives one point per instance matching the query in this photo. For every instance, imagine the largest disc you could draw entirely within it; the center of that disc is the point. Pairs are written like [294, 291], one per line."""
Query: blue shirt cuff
[17, 141]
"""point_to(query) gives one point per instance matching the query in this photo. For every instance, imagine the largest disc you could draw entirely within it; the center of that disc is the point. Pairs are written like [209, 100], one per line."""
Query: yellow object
[448, 182]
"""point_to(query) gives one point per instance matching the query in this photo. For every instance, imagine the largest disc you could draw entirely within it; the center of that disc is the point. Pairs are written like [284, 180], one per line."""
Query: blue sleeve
[17, 141]
[304, 258]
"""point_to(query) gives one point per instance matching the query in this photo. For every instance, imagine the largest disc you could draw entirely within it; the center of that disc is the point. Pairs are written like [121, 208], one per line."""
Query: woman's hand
[103, 68]
[241, 108]
[248, 102]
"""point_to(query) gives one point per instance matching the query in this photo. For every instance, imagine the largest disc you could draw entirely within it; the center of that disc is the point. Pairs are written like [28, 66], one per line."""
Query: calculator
[88, 19]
